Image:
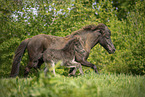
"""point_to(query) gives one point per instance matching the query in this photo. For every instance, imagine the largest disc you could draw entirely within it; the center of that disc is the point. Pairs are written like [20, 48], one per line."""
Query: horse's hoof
[81, 74]
[71, 75]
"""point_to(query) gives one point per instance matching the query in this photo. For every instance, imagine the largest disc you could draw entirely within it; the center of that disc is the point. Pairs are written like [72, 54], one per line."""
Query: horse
[90, 35]
[66, 55]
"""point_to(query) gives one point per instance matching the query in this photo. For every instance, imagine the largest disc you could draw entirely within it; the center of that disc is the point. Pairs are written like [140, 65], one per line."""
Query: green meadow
[88, 85]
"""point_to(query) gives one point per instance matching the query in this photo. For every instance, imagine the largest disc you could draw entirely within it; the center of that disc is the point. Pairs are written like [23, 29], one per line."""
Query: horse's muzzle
[112, 51]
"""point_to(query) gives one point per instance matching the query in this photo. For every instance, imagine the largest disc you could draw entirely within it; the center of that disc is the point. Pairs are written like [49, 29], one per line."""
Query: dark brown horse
[66, 55]
[91, 35]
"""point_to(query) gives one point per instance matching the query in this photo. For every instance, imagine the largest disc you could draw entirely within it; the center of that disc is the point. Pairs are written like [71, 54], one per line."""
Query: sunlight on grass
[89, 85]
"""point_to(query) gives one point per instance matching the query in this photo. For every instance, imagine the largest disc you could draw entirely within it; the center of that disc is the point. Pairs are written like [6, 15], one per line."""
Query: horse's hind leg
[50, 65]
[71, 70]
[32, 64]
[74, 70]
[77, 66]
[28, 68]
[40, 62]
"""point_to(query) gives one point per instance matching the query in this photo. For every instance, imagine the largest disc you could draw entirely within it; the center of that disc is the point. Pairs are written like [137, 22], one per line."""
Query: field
[88, 85]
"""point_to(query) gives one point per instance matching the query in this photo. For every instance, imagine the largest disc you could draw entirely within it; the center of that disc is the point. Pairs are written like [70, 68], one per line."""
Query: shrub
[60, 18]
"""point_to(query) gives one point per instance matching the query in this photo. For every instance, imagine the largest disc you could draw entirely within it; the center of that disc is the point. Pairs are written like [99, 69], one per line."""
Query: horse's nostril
[114, 50]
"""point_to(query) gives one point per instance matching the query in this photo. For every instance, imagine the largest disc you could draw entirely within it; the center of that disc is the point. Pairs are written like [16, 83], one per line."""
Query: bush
[60, 18]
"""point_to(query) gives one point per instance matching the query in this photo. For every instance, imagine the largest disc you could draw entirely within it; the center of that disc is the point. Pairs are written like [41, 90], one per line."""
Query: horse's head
[92, 34]
[105, 39]
[71, 44]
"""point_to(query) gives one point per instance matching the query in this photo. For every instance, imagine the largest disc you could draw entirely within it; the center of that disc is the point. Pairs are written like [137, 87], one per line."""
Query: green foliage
[6, 55]
[89, 85]
[123, 7]
[60, 18]
[127, 36]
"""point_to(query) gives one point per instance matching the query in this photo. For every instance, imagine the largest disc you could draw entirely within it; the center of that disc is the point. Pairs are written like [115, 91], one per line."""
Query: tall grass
[89, 85]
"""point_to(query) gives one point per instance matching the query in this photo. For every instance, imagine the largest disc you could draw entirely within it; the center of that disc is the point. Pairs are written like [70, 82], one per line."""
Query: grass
[88, 85]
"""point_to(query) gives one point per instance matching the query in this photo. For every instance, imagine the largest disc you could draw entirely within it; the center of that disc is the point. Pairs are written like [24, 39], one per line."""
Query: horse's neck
[88, 41]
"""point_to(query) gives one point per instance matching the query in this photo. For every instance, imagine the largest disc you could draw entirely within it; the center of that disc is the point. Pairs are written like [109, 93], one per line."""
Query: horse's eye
[76, 44]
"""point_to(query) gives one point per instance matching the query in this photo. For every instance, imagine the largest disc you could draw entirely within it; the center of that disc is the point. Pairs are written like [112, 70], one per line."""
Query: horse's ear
[101, 28]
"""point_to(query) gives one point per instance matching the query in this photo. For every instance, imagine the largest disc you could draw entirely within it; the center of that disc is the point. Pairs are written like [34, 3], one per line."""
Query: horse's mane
[70, 43]
[88, 28]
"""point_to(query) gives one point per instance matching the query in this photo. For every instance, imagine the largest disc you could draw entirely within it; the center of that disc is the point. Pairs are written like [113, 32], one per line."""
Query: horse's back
[45, 41]
[39, 43]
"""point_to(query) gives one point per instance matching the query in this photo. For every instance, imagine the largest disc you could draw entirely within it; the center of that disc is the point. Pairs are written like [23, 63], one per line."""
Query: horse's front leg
[84, 62]
[80, 69]
[53, 68]
[88, 64]
[76, 66]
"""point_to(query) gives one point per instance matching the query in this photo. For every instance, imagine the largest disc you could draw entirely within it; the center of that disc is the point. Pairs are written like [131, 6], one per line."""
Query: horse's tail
[17, 58]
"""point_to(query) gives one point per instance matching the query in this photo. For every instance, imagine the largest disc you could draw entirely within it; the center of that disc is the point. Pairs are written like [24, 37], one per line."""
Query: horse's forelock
[101, 26]
[89, 27]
